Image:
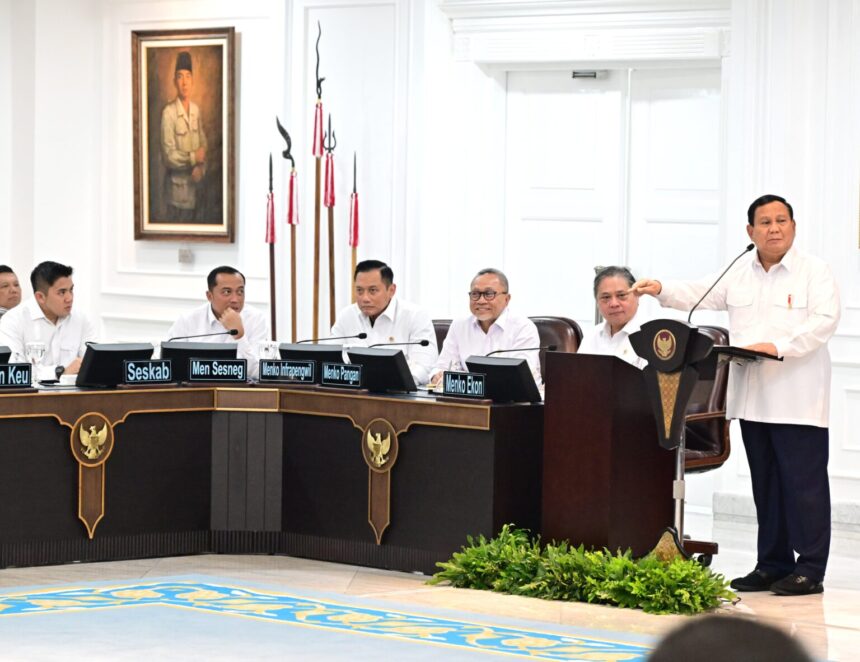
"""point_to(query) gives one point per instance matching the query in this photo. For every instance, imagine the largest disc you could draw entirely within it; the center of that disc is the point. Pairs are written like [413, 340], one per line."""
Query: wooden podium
[606, 480]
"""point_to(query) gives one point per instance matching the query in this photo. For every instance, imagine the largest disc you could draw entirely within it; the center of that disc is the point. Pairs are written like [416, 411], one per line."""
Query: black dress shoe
[757, 580]
[796, 585]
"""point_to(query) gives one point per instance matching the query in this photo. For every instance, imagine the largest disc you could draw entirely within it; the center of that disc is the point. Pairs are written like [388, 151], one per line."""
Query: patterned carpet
[219, 618]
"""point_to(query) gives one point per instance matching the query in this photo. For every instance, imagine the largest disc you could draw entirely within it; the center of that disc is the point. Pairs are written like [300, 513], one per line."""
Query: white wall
[418, 88]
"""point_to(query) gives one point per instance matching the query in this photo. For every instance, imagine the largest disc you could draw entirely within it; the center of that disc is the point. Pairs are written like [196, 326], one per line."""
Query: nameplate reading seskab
[287, 371]
[15, 375]
[217, 370]
[341, 374]
[464, 384]
[157, 371]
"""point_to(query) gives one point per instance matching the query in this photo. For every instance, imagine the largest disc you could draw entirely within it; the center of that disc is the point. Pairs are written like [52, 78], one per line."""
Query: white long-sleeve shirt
[795, 306]
[600, 341]
[202, 320]
[510, 331]
[64, 341]
[401, 321]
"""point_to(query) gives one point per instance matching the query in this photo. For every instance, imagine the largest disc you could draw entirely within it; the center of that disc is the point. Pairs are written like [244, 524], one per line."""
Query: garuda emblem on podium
[379, 447]
[91, 442]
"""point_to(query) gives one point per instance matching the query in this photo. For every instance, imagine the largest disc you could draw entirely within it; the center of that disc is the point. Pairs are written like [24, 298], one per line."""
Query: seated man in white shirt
[387, 319]
[620, 310]
[491, 326]
[47, 319]
[225, 311]
[10, 289]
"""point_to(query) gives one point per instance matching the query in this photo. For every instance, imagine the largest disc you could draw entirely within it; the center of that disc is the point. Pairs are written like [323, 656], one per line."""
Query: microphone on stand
[423, 343]
[744, 252]
[549, 348]
[360, 336]
[231, 332]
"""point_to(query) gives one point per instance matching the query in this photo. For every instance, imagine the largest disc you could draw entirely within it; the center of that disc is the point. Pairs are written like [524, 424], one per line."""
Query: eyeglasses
[489, 295]
[621, 296]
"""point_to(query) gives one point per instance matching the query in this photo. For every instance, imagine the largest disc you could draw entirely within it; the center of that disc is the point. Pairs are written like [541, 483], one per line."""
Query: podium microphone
[423, 343]
[360, 336]
[231, 332]
[549, 348]
[744, 252]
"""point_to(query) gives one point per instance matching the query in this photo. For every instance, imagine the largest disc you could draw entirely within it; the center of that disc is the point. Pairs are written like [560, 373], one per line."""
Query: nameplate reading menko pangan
[15, 375]
[301, 372]
[156, 371]
[464, 384]
[217, 370]
[341, 374]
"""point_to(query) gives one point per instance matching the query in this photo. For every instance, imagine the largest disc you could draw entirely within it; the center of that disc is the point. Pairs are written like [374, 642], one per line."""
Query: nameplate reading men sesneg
[15, 375]
[287, 371]
[464, 384]
[157, 371]
[217, 370]
[344, 375]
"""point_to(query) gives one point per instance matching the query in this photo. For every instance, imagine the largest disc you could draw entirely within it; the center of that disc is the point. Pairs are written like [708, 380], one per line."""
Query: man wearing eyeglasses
[619, 308]
[491, 326]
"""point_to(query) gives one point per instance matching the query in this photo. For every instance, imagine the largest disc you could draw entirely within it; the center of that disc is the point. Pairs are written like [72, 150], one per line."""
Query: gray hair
[610, 272]
[494, 272]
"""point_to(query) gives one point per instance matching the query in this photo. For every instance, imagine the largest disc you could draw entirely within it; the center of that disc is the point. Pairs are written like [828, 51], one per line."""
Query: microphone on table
[231, 332]
[744, 252]
[549, 348]
[423, 343]
[360, 336]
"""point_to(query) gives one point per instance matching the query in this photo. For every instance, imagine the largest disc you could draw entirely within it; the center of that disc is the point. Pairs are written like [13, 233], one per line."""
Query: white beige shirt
[202, 320]
[600, 341]
[510, 331]
[64, 341]
[795, 306]
[401, 321]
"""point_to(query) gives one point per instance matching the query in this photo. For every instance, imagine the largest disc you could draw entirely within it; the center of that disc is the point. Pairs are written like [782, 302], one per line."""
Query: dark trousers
[788, 467]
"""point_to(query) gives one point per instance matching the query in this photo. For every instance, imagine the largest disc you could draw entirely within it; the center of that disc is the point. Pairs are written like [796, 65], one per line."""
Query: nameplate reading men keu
[464, 384]
[15, 375]
[157, 371]
[217, 370]
[341, 374]
[301, 372]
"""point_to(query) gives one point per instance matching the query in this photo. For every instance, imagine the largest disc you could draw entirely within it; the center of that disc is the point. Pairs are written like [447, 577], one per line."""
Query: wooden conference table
[386, 481]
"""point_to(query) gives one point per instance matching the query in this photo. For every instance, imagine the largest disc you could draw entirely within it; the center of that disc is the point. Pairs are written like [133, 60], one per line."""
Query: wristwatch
[59, 370]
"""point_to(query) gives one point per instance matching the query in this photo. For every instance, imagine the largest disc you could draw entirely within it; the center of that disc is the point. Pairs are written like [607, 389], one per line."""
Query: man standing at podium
[785, 303]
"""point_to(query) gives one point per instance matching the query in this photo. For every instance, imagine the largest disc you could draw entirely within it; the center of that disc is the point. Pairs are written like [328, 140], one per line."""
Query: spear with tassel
[353, 221]
[292, 220]
[317, 152]
[328, 200]
[270, 239]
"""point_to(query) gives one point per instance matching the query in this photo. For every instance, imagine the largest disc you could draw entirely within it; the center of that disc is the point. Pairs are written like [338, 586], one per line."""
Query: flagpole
[292, 221]
[328, 200]
[270, 238]
[317, 152]
[353, 222]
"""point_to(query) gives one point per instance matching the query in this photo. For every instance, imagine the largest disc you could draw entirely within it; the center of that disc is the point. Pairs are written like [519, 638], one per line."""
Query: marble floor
[828, 624]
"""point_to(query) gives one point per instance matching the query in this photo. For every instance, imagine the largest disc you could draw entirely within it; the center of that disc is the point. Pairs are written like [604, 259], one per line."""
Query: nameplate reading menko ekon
[464, 384]
[345, 375]
[301, 372]
[156, 371]
[217, 370]
[15, 375]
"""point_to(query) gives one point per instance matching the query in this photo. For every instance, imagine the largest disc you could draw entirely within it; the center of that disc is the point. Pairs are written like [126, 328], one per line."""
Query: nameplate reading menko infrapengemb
[464, 384]
[301, 372]
[217, 370]
[344, 375]
[15, 375]
[156, 371]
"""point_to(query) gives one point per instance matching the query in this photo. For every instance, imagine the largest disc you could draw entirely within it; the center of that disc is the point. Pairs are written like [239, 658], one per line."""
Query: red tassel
[328, 196]
[270, 219]
[353, 219]
[318, 130]
[293, 201]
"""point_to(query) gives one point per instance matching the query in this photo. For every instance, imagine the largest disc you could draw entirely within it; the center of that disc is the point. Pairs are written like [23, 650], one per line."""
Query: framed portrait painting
[184, 134]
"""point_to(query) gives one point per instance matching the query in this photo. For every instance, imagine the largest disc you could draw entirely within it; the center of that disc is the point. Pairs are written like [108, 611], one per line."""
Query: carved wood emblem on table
[379, 446]
[92, 442]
